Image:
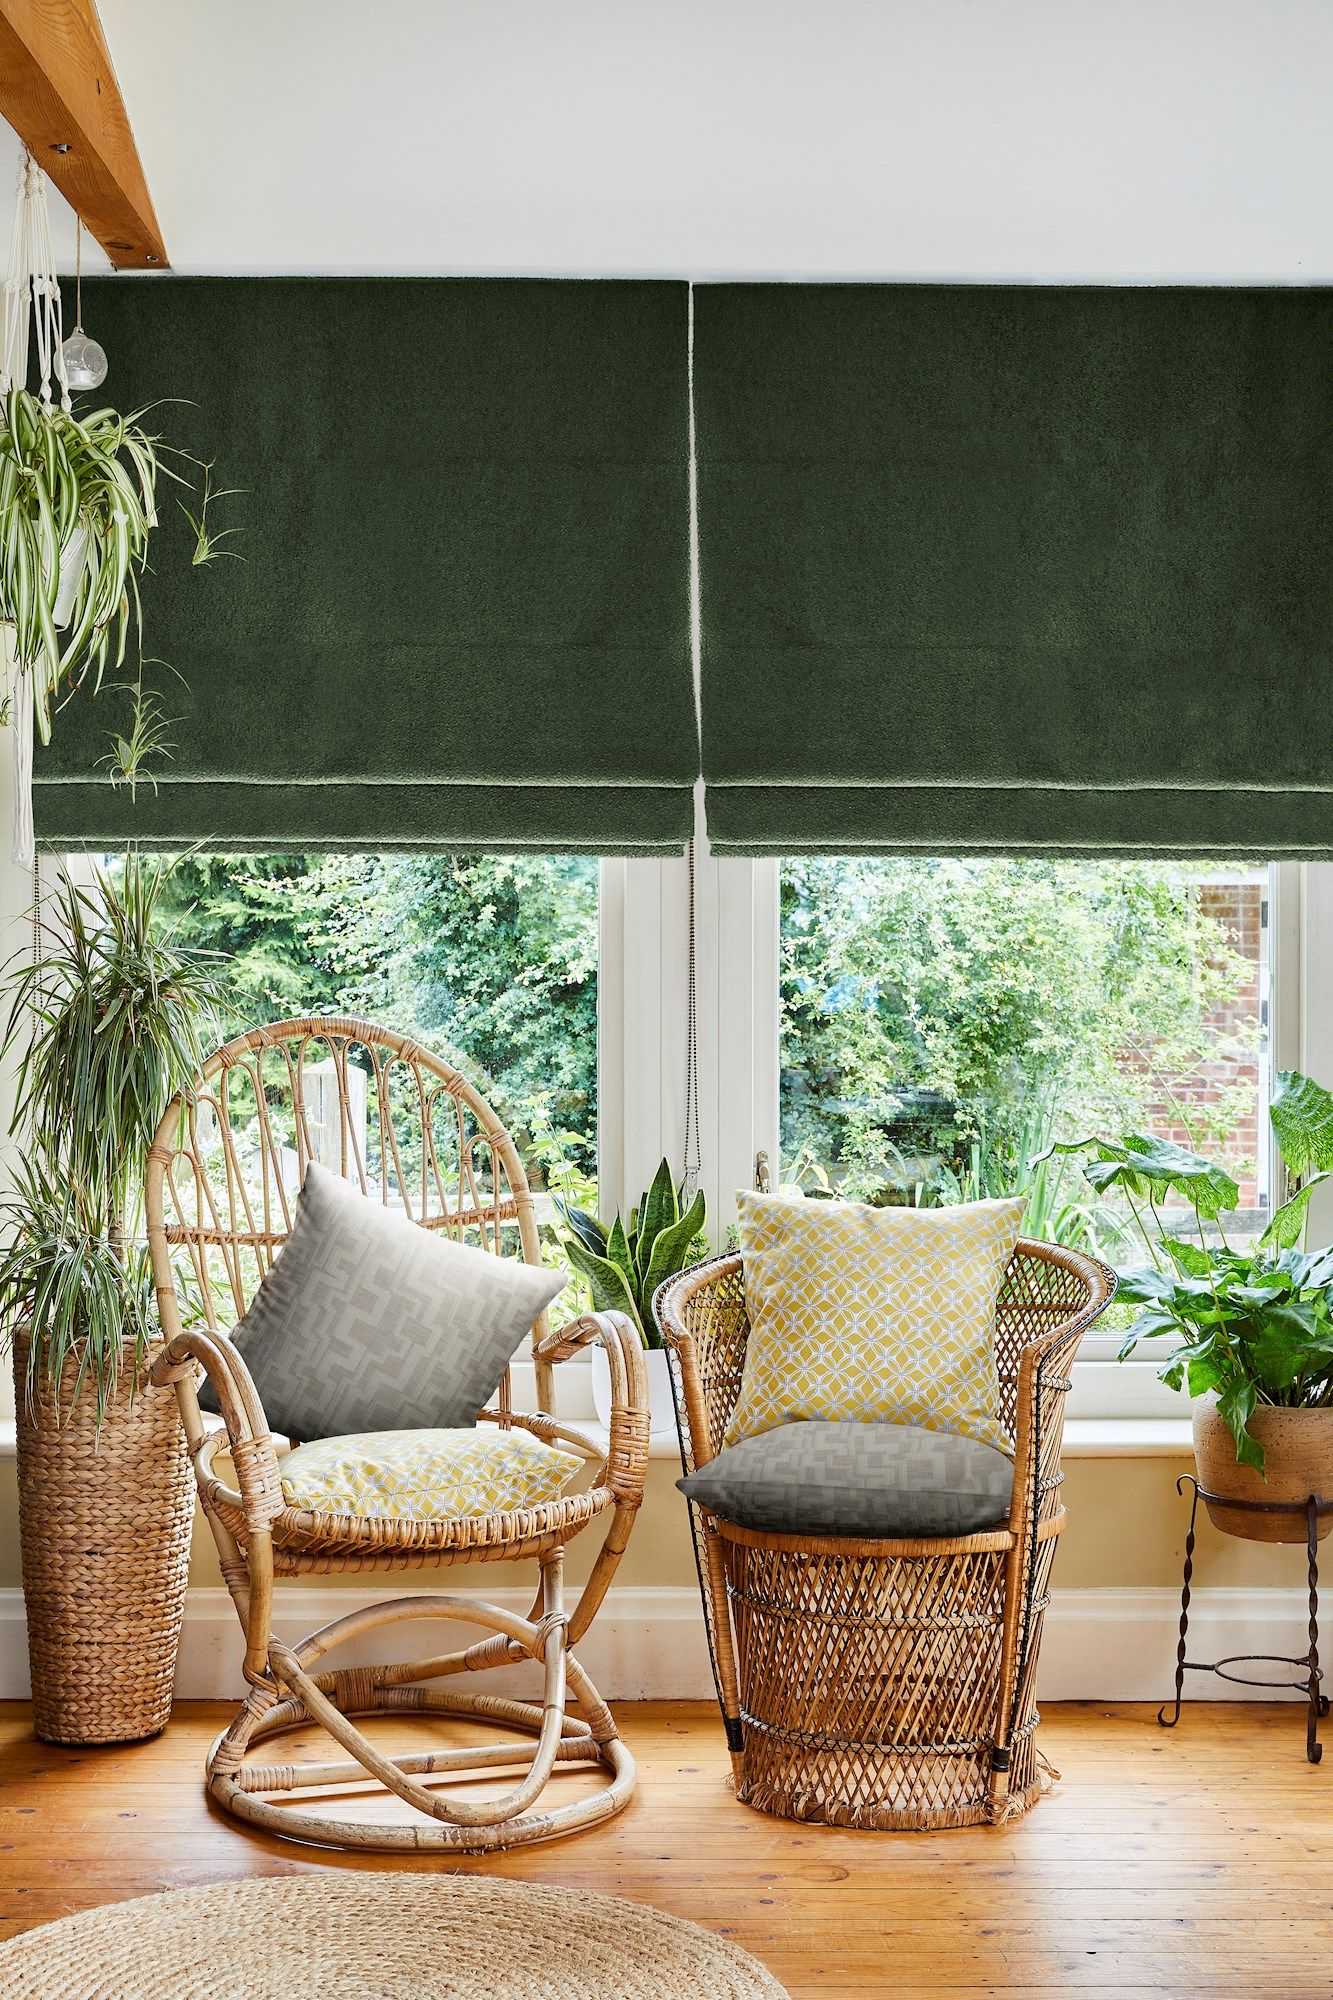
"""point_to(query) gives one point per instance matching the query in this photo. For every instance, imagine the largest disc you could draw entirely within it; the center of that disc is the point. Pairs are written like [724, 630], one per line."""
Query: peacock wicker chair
[222, 1176]
[885, 1683]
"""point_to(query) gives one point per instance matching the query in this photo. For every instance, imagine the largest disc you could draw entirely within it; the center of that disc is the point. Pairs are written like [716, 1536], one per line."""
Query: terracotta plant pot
[1298, 1447]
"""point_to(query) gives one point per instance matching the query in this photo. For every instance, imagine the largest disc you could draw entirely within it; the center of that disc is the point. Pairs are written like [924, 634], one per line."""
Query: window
[489, 960]
[902, 1029]
[946, 1022]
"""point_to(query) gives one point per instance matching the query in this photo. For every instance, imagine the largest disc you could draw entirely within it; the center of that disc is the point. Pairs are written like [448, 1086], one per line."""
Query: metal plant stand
[1312, 1674]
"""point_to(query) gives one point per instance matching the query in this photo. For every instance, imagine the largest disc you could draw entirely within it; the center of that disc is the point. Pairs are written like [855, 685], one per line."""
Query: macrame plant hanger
[32, 305]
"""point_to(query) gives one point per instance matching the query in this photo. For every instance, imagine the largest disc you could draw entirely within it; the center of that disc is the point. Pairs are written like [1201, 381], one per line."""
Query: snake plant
[623, 1267]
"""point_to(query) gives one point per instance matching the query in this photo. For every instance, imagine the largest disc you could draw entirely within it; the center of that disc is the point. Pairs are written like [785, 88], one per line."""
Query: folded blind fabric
[459, 616]
[1029, 569]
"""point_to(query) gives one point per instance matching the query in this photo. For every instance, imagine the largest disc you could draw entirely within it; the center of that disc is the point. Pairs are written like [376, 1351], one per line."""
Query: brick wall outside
[1237, 907]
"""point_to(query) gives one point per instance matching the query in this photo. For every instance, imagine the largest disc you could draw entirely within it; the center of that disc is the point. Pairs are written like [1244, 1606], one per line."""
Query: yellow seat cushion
[425, 1475]
[873, 1314]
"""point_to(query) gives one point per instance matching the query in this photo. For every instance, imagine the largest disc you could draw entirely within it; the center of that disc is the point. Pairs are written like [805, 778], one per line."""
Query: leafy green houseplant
[623, 1266]
[108, 1021]
[78, 506]
[1251, 1330]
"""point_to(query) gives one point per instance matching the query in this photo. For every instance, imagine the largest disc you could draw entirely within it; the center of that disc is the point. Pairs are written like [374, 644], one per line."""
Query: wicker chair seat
[299, 1531]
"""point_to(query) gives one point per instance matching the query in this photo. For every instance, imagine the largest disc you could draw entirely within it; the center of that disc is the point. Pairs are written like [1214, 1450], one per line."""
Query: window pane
[489, 960]
[945, 1021]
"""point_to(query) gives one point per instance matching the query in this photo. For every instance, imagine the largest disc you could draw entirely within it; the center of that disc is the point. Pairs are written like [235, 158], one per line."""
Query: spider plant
[109, 1021]
[72, 488]
[80, 489]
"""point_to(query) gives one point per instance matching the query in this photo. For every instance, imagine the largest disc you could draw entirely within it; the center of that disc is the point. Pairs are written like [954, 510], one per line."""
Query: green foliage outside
[490, 960]
[945, 1020]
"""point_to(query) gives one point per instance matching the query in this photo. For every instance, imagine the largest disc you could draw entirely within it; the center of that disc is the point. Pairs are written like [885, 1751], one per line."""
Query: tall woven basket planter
[104, 1523]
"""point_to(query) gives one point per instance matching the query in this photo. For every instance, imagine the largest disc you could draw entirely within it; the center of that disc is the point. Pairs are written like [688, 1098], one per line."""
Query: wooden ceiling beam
[59, 92]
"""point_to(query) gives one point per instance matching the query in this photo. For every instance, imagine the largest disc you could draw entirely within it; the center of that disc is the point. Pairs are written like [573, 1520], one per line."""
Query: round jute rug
[378, 1937]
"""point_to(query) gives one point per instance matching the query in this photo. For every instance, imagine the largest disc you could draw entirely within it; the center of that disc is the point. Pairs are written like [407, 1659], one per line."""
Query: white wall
[1048, 139]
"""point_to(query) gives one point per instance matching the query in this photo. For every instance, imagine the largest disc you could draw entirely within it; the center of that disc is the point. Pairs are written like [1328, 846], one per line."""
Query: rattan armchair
[412, 1132]
[886, 1683]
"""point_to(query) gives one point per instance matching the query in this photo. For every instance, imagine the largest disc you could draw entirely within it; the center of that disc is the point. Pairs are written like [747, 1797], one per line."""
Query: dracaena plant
[108, 1022]
[623, 1266]
[1251, 1327]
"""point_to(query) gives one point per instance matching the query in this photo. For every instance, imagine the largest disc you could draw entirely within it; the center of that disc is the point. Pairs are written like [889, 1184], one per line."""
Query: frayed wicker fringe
[1017, 1803]
[814, 1810]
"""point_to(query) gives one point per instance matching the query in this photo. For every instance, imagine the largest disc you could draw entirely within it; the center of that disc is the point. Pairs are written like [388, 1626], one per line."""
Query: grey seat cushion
[818, 1478]
[367, 1322]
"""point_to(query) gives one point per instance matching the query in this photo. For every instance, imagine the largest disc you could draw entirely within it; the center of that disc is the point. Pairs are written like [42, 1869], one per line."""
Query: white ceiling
[1044, 139]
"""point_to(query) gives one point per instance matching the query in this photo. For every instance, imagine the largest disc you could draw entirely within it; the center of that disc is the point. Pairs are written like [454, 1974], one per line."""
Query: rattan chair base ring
[333, 1699]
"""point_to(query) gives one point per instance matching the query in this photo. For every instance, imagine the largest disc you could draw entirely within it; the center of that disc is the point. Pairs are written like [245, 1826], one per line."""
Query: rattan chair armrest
[631, 1417]
[1044, 1380]
[705, 1341]
[249, 1439]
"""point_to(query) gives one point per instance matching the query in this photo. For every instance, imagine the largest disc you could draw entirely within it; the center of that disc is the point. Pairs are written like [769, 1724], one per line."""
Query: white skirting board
[1100, 1645]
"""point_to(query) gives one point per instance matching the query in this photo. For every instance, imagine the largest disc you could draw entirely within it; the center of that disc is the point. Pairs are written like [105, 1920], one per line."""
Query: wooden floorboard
[1196, 1863]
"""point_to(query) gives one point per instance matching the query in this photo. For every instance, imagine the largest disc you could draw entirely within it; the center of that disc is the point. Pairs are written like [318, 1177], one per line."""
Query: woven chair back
[364, 1102]
[1043, 1287]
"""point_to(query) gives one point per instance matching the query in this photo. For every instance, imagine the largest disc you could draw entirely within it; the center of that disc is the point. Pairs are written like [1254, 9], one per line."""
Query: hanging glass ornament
[85, 361]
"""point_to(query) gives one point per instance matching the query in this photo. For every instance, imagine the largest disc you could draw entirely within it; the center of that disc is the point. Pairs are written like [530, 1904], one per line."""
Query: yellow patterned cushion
[425, 1475]
[876, 1314]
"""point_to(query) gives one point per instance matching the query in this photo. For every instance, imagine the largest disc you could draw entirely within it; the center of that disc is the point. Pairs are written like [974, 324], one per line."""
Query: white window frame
[642, 1016]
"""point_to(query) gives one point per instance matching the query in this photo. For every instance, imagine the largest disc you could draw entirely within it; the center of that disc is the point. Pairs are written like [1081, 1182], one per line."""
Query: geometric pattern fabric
[876, 1315]
[817, 1478]
[368, 1322]
[444, 1475]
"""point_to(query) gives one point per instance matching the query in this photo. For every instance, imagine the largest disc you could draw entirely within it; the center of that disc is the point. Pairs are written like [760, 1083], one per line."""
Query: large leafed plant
[1249, 1326]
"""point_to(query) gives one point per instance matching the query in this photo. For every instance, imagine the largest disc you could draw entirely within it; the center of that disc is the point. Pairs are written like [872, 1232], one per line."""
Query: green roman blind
[1016, 568]
[459, 610]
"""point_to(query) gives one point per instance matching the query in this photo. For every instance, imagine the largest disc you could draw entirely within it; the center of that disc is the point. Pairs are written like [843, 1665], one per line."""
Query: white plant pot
[663, 1421]
[71, 569]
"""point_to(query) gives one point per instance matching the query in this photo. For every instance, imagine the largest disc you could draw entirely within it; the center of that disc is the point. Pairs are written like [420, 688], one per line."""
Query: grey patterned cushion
[368, 1323]
[817, 1478]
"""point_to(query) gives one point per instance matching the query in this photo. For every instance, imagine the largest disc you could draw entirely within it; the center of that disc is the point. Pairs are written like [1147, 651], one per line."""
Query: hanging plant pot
[71, 569]
[1298, 1461]
[96, 469]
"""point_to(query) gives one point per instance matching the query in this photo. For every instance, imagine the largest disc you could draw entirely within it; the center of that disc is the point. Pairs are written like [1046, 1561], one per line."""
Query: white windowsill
[1085, 1437]
[1128, 1437]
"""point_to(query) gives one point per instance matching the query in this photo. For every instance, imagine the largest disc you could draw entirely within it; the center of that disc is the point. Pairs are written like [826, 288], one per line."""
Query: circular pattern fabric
[378, 1937]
